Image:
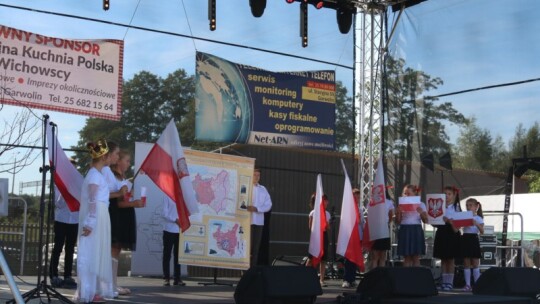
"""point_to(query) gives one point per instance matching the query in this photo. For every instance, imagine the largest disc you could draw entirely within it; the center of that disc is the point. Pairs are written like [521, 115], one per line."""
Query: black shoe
[166, 282]
[69, 283]
[56, 282]
[178, 282]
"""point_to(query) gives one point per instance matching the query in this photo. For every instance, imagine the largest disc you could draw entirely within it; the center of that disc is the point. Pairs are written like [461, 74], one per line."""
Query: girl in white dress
[94, 272]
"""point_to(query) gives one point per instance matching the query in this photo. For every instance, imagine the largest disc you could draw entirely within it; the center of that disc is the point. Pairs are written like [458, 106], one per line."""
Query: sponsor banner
[74, 76]
[244, 104]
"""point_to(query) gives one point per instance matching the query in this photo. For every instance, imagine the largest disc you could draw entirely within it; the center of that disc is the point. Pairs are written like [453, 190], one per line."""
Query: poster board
[219, 235]
[436, 208]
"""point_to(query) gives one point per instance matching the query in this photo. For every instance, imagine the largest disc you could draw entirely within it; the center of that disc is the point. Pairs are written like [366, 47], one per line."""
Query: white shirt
[114, 184]
[473, 229]
[263, 203]
[328, 217]
[169, 215]
[412, 218]
[389, 204]
[62, 213]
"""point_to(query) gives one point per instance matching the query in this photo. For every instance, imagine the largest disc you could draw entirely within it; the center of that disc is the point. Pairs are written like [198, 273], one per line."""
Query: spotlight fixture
[106, 5]
[257, 7]
[289, 1]
[304, 23]
[212, 14]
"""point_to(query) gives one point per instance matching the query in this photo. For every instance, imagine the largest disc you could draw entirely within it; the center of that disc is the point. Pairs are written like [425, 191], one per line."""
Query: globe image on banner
[222, 108]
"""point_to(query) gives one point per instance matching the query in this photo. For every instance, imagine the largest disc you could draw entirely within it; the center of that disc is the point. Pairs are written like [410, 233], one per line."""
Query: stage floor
[150, 290]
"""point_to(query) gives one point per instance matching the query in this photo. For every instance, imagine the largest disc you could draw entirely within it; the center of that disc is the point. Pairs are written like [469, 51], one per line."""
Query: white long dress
[94, 269]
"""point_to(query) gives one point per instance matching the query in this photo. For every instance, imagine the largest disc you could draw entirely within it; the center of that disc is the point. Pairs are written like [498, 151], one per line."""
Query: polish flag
[377, 214]
[348, 244]
[166, 166]
[66, 177]
[462, 219]
[318, 226]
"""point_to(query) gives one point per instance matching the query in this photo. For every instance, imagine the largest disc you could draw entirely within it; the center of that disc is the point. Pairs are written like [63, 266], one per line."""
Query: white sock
[451, 280]
[467, 275]
[114, 272]
[476, 273]
[445, 278]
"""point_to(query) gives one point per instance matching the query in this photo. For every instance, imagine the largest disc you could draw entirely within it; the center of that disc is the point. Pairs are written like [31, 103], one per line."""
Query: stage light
[257, 7]
[106, 5]
[344, 17]
[304, 23]
[445, 161]
[289, 1]
[319, 4]
[212, 14]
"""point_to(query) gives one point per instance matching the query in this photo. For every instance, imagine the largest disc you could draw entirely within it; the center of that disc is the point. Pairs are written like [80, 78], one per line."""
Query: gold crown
[101, 148]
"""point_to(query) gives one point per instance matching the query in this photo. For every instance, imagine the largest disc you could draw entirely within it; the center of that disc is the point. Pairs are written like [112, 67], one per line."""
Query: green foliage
[414, 126]
[345, 134]
[148, 104]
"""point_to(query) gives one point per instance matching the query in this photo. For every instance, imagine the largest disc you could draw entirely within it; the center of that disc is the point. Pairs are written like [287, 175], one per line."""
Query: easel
[215, 282]
[42, 288]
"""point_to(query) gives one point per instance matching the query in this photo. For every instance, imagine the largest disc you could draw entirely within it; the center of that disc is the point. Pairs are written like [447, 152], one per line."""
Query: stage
[150, 290]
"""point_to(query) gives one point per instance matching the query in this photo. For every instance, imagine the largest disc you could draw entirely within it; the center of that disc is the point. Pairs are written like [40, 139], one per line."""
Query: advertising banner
[74, 76]
[244, 104]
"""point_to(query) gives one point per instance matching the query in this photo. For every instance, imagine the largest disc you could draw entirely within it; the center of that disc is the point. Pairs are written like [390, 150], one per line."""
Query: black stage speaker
[278, 285]
[524, 282]
[289, 260]
[392, 282]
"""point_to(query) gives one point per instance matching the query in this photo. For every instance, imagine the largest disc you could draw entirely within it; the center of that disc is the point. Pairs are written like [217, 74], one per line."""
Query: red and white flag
[66, 177]
[166, 166]
[462, 219]
[348, 244]
[377, 213]
[318, 226]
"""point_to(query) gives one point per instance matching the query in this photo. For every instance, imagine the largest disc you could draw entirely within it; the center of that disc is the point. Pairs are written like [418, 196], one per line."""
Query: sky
[468, 44]
[277, 30]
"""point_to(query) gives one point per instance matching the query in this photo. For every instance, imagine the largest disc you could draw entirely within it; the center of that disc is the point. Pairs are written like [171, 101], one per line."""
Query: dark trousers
[349, 273]
[170, 242]
[256, 236]
[64, 235]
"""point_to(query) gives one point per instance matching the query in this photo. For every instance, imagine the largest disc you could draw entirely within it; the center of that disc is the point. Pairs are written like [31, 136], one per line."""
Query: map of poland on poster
[219, 235]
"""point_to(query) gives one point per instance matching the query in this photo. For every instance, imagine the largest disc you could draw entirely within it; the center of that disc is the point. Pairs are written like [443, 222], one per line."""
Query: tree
[414, 126]
[148, 104]
[21, 130]
[475, 147]
[345, 134]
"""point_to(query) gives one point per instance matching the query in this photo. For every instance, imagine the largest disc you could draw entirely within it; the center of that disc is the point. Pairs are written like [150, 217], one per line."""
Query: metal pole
[9, 278]
[14, 167]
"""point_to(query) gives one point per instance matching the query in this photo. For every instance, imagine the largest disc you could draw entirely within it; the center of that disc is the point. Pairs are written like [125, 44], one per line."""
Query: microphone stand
[42, 288]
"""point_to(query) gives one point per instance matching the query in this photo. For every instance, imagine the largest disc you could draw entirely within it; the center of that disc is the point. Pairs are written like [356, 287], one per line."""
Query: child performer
[411, 241]
[380, 247]
[470, 244]
[447, 239]
[322, 264]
